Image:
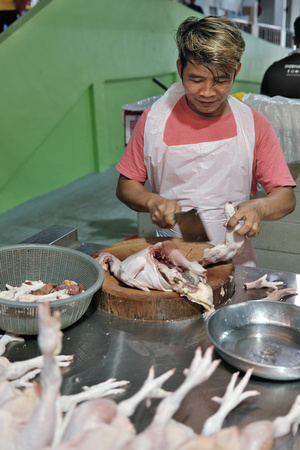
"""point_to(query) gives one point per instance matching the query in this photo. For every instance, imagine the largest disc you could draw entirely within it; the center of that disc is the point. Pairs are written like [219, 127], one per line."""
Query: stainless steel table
[106, 346]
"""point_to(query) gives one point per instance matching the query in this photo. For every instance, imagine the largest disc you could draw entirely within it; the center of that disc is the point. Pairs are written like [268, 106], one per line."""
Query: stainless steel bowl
[51, 264]
[261, 334]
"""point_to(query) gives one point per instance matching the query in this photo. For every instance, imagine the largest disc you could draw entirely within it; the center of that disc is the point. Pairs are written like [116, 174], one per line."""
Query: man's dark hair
[297, 30]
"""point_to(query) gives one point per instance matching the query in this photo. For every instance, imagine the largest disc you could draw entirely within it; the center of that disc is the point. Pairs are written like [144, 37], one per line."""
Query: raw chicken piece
[6, 338]
[283, 425]
[263, 282]
[158, 435]
[278, 294]
[228, 438]
[233, 396]
[116, 431]
[257, 435]
[38, 432]
[35, 291]
[28, 420]
[232, 246]
[109, 387]
[90, 417]
[162, 267]
[32, 421]
[15, 371]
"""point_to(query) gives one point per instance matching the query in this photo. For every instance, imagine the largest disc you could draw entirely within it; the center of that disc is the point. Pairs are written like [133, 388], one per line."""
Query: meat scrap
[232, 246]
[34, 291]
[162, 267]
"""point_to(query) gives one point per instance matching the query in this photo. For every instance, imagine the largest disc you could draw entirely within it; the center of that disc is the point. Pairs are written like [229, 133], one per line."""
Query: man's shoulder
[286, 60]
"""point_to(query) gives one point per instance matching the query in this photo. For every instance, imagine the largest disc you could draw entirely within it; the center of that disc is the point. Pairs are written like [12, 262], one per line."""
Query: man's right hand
[162, 211]
[137, 197]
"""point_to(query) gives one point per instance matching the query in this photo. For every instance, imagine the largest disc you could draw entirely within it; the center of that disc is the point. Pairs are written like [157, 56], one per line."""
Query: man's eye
[222, 80]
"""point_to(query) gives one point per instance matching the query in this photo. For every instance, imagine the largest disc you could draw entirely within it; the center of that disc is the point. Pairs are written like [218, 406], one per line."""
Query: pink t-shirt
[184, 127]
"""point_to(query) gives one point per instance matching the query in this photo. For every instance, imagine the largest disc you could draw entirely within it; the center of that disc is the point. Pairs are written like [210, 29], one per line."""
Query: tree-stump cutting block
[116, 298]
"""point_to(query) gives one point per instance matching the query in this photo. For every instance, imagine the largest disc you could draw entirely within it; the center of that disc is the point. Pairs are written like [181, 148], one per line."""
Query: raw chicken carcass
[232, 246]
[162, 267]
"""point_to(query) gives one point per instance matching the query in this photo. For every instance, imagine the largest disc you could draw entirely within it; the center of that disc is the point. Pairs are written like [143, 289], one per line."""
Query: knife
[191, 226]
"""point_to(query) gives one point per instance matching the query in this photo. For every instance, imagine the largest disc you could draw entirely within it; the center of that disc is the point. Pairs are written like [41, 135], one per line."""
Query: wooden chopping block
[116, 298]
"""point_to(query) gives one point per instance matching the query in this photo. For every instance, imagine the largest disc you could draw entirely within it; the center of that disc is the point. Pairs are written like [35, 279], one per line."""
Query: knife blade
[191, 226]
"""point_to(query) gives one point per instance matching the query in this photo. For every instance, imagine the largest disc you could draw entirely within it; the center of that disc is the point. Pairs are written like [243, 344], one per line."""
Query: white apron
[205, 175]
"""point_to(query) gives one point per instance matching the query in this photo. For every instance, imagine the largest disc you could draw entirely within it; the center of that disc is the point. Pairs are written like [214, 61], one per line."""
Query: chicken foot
[150, 389]
[109, 387]
[39, 430]
[283, 425]
[232, 397]
[157, 434]
[14, 371]
[278, 294]
[200, 370]
[263, 283]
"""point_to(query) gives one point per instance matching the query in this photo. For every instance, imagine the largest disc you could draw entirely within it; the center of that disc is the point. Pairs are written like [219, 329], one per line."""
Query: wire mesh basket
[50, 264]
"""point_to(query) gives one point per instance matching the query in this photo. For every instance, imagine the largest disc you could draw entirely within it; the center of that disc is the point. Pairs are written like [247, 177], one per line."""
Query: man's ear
[238, 69]
[179, 68]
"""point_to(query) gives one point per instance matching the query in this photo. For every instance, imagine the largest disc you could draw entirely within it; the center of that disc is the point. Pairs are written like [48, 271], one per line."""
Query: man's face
[206, 94]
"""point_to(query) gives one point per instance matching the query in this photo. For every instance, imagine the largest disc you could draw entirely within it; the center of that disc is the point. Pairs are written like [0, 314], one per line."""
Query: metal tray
[261, 334]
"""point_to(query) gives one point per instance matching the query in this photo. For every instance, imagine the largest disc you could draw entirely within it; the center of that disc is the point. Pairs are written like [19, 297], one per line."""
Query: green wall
[67, 67]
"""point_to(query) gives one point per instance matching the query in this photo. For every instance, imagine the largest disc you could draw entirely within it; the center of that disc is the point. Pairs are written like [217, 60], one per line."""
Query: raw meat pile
[34, 418]
[34, 291]
[163, 267]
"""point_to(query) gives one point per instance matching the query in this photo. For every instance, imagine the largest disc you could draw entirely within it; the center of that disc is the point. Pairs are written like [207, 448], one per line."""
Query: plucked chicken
[162, 267]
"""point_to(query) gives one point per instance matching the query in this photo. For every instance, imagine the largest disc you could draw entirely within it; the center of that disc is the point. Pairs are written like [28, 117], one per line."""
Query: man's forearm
[133, 194]
[138, 198]
[277, 204]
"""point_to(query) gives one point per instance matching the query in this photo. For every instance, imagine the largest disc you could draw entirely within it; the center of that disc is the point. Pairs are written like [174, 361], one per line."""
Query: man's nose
[207, 88]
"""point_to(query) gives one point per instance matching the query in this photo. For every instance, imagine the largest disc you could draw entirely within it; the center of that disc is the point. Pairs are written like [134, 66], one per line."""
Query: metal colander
[51, 264]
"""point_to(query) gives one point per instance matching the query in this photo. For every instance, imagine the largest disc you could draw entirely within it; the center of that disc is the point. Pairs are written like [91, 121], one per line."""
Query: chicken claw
[278, 294]
[263, 282]
[283, 425]
[109, 387]
[150, 389]
[201, 368]
[232, 397]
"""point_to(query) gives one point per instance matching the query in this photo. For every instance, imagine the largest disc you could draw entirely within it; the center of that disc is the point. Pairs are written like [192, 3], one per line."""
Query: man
[199, 147]
[283, 76]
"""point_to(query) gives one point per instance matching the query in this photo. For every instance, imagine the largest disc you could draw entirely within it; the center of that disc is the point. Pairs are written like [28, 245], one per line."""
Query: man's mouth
[205, 103]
